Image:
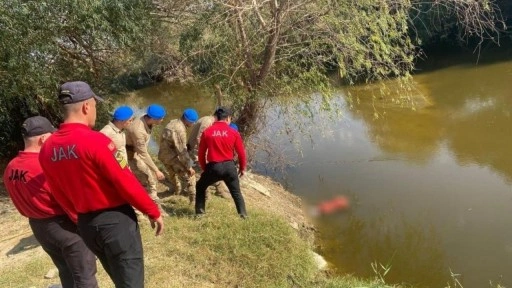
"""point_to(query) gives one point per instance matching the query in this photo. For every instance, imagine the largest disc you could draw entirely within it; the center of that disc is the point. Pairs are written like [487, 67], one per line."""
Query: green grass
[218, 250]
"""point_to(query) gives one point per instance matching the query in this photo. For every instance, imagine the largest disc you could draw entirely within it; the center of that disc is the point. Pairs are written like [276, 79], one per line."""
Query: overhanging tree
[46, 42]
[254, 50]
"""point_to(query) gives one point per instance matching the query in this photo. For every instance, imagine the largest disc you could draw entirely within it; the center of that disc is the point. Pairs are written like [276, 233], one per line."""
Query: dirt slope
[18, 244]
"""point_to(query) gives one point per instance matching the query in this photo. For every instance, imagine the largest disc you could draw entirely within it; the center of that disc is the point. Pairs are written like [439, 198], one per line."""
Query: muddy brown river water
[430, 187]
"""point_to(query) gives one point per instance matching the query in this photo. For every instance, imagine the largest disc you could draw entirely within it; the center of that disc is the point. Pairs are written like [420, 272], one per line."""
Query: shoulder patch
[120, 159]
[111, 146]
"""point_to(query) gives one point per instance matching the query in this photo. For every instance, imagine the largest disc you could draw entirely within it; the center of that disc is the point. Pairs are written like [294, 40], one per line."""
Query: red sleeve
[201, 152]
[240, 150]
[123, 179]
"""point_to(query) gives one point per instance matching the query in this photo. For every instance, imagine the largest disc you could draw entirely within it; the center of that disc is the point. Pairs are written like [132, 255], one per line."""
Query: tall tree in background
[253, 50]
[247, 50]
[44, 42]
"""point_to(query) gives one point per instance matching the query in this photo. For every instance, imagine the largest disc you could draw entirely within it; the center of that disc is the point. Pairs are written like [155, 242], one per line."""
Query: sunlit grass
[218, 250]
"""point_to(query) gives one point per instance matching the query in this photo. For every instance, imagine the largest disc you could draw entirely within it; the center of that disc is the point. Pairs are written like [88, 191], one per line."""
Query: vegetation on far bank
[246, 51]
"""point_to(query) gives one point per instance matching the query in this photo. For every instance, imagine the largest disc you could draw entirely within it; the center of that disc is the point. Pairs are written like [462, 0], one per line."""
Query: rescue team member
[193, 141]
[85, 177]
[123, 116]
[174, 155]
[217, 145]
[138, 135]
[53, 229]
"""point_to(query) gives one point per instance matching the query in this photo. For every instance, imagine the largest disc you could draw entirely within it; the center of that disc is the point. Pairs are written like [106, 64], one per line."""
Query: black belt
[49, 219]
[126, 209]
[220, 162]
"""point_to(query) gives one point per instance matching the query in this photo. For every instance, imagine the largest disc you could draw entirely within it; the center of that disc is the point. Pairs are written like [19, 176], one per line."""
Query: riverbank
[271, 249]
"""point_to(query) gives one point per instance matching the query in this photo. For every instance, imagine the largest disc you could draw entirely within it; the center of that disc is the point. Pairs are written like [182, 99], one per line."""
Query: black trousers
[227, 172]
[59, 238]
[114, 236]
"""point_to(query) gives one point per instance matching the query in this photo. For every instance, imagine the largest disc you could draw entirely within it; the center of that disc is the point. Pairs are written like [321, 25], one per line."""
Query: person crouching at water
[174, 155]
[138, 134]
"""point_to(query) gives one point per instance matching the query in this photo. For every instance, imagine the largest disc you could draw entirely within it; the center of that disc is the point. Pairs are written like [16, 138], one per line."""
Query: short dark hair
[222, 113]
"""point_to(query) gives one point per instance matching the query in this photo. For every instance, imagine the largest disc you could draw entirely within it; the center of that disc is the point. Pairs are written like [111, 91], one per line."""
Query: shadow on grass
[165, 194]
[25, 244]
[175, 206]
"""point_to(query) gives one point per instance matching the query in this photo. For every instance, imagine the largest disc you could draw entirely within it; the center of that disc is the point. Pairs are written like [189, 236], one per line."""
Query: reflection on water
[431, 188]
[408, 249]
[432, 184]
[174, 98]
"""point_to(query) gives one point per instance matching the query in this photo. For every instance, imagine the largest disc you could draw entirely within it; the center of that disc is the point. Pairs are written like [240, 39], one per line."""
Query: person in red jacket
[88, 176]
[217, 145]
[53, 229]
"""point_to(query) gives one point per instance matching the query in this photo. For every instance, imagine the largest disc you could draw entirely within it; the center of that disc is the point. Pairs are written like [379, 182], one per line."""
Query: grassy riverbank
[218, 250]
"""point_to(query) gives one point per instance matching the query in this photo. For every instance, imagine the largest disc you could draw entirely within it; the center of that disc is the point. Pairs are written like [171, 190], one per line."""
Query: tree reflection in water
[411, 248]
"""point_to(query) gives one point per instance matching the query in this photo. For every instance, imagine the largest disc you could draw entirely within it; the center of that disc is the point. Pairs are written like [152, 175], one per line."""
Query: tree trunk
[247, 121]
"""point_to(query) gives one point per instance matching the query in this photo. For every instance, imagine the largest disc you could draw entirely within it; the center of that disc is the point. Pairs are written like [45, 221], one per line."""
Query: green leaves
[46, 42]
[228, 44]
[253, 50]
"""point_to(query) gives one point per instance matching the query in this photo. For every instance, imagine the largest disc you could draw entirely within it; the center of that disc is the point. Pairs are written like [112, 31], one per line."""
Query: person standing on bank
[138, 135]
[194, 138]
[53, 229]
[85, 176]
[174, 155]
[216, 147]
[123, 116]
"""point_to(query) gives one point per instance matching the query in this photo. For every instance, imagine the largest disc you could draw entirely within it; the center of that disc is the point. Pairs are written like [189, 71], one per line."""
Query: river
[430, 187]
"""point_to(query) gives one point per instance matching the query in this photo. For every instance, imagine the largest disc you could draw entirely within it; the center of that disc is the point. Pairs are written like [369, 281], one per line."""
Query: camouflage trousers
[145, 175]
[178, 174]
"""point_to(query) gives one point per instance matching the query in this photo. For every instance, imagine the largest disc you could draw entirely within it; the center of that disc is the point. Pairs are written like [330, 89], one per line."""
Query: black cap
[76, 91]
[222, 112]
[35, 126]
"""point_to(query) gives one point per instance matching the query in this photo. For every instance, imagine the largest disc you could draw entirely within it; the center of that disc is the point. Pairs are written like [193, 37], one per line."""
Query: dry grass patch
[217, 250]
[223, 250]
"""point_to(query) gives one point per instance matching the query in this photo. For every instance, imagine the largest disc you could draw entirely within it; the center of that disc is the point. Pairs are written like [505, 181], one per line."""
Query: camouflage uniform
[138, 135]
[196, 132]
[118, 137]
[193, 143]
[174, 155]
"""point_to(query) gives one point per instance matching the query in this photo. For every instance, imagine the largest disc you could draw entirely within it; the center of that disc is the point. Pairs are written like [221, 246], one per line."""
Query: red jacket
[218, 143]
[28, 189]
[86, 175]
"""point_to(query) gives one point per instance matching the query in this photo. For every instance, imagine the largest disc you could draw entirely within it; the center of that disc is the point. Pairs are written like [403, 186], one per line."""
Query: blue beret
[190, 115]
[233, 125]
[156, 111]
[123, 113]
